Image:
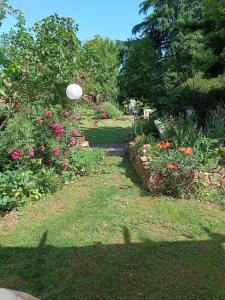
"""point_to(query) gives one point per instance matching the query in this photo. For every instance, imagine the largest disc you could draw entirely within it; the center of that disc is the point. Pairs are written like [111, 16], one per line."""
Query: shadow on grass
[131, 174]
[107, 134]
[148, 270]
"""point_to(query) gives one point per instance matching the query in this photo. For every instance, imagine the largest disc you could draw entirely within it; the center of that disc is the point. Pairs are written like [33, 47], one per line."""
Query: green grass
[103, 237]
[108, 131]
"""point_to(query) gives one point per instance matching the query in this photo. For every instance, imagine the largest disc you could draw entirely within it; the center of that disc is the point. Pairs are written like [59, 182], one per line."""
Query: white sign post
[159, 126]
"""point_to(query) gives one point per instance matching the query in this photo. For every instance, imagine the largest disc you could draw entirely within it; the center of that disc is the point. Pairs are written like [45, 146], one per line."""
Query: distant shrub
[215, 126]
[112, 111]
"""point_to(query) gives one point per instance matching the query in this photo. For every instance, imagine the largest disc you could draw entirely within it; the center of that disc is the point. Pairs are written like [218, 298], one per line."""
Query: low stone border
[141, 164]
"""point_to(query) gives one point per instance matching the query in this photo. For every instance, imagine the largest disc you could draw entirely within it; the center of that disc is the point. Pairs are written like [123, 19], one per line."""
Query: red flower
[58, 129]
[48, 114]
[172, 166]
[56, 152]
[104, 115]
[74, 132]
[31, 153]
[73, 142]
[40, 121]
[16, 154]
[42, 148]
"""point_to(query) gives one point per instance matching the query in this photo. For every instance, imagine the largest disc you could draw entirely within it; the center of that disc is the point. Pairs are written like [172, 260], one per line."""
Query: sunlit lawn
[102, 237]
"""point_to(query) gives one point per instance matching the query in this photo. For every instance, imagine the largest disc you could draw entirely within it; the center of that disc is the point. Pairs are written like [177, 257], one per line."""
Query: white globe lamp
[74, 91]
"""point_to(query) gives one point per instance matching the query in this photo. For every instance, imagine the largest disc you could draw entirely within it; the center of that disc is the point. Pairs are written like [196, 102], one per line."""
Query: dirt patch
[158, 230]
[8, 221]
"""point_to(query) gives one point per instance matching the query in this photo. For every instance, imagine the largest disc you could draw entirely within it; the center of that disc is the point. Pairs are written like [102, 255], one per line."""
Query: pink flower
[56, 152]
[58, 130]
[74, 132]
[31, 153]
[48, 114]
[66, 153]
[16, 154]
[50, 124]
[73, 142]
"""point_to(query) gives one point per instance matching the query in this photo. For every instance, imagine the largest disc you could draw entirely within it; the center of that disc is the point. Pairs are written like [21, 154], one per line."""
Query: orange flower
[186, 151]
[172, 166]
[164, 145]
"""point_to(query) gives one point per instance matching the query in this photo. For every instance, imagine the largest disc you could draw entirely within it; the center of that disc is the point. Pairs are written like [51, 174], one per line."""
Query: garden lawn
[102, 237]
[108, 131]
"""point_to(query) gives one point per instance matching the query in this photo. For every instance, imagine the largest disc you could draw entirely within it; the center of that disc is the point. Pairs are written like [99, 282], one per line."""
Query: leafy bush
[81, 162]
[112, 111]
[48, 136]
[48, 180]
[215, 127]
[43, 148]
[16, 187]
[182, 131]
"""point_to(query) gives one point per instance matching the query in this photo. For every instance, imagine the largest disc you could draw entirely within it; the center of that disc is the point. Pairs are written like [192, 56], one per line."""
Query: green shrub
[48, 181]
[146, 127]
[81, 162]
[215, 126]
[112, 111]
[182, 131]
[16, 187]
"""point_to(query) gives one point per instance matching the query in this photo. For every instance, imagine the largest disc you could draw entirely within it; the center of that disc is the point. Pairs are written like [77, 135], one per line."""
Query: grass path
[104, 238]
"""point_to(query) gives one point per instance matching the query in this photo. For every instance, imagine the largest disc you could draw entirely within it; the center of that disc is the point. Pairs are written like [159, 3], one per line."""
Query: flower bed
[172, 171]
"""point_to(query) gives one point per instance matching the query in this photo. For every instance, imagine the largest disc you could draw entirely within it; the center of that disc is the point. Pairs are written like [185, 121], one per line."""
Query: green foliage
[141, 73]
[215, 127]
[15, 188]
[45, 144]
[100, 66]
[214, 37]
[176, 168]
[41, 62]
[146, 127]
[182, 131]
[112, 111]
[82, 163]
[184, 151]
[48, 180]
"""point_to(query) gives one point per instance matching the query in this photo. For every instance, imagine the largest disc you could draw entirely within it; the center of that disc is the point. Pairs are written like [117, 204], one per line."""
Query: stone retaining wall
[141, 164]
[154, 183]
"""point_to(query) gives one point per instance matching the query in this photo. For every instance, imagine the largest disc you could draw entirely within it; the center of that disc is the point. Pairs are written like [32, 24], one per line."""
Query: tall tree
[42, 61]
[174, 26]
[141, 73]
[214, 37]
[99, 61]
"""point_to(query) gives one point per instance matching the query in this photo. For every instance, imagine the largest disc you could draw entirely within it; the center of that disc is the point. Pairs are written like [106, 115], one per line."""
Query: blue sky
[108, 18]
